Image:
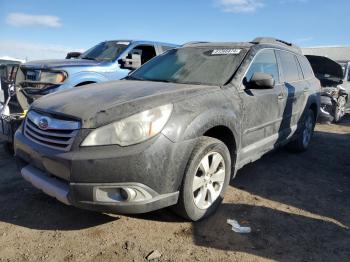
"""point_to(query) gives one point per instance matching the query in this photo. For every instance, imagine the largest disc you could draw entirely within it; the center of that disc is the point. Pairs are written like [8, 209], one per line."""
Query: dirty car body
[172, 131]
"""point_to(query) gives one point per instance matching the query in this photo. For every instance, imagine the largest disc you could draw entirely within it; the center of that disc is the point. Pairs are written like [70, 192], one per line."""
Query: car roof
[262, 41]
[142, 42]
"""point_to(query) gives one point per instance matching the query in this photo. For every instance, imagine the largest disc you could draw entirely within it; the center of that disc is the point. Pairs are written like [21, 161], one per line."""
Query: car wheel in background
[304, 133]
[206, 178]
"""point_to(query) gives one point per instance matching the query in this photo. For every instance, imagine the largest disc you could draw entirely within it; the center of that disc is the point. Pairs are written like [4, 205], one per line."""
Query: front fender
[81, 77]
[196, 126]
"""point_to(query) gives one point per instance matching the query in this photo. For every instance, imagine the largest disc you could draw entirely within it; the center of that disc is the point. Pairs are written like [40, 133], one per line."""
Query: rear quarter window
[289, 65]
[306, 67]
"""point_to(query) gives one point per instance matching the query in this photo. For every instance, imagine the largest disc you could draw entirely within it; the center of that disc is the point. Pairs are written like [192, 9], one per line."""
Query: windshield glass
[192, 65]
[105, 51]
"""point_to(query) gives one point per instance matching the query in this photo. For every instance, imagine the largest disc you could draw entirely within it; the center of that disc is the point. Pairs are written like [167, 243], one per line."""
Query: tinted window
[306, 67]
[264, 62]
[289, 66]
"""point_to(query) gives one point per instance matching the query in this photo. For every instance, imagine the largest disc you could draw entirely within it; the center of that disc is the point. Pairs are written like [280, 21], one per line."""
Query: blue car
[109, 60]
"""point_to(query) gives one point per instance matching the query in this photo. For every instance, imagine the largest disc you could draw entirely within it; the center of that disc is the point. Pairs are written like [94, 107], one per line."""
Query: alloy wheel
[208, 180]
[307, 132]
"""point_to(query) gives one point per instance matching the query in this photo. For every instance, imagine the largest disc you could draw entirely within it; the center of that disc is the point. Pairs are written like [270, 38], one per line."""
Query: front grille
[50, 131]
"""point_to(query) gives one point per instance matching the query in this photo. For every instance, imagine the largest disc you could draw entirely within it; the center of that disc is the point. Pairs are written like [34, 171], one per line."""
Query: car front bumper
[103, 178]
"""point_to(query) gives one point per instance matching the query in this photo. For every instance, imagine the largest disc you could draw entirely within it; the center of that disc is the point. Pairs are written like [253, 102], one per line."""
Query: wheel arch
[223, 125]
[86, 83]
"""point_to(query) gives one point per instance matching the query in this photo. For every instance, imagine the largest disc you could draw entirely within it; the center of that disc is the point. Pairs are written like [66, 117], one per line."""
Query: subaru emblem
[43, 123]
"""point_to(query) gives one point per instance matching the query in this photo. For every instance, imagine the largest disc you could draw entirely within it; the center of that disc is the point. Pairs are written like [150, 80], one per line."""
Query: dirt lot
[296, 204]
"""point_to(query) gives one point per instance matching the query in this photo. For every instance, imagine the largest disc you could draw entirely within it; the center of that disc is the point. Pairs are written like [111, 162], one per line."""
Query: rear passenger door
[294, 93]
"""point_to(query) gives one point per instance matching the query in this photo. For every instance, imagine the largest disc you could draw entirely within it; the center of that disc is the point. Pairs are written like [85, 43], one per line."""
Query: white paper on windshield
[123, 43]
[226, 51]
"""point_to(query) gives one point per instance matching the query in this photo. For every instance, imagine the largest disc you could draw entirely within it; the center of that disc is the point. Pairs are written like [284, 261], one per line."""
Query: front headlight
[131, 130]
[52, 77]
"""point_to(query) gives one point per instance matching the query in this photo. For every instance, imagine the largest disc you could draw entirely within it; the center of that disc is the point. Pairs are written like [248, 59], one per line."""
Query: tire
[195, 204]
[301, 143]
[339, 111]
[9, 148]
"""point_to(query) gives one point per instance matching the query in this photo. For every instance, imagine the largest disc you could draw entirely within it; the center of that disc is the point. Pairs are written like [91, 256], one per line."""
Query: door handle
[306, 89]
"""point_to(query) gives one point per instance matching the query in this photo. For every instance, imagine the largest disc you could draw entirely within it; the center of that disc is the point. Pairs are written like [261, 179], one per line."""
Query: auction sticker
[226, 51]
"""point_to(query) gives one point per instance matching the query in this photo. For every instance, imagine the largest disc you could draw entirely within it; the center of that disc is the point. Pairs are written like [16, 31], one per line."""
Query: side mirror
[131, 63]
[261, 81]
[73, 55]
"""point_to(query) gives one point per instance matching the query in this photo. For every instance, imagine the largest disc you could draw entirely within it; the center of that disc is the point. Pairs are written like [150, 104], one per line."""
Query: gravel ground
[296, 204]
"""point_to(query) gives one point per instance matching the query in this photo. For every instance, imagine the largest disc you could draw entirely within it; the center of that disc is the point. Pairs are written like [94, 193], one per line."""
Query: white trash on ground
[236, 227]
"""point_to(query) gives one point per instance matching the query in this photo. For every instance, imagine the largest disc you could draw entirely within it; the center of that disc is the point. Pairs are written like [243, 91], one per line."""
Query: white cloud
[21, 19]
[240, 6]
[34, 51]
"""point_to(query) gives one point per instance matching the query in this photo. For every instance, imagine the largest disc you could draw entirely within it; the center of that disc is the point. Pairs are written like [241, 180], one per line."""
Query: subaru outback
[174, 132]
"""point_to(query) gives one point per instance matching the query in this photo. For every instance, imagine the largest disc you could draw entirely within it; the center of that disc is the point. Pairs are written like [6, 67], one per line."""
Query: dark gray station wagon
[174, 132]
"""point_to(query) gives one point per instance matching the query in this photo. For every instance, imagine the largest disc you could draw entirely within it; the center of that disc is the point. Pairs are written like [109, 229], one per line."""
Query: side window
[146, 52]
[306, 67]
[264, 62]
[348, 73]
[289, 66]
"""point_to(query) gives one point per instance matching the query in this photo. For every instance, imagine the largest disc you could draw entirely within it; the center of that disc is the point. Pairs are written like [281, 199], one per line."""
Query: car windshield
[192, 65]
[105, 51]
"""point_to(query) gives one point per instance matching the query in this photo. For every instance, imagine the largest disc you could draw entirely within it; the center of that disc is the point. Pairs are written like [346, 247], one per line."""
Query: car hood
[99, 104]
[46, 64]
[326, 70]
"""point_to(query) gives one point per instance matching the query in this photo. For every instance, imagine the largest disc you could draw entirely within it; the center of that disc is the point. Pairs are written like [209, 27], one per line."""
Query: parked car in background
[341, 55]
[10, 111]
[174, 132]
[109, 60]
[333, 96]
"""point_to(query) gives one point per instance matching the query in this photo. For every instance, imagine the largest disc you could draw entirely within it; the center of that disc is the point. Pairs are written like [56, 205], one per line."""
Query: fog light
[127, 194]
[122, 193]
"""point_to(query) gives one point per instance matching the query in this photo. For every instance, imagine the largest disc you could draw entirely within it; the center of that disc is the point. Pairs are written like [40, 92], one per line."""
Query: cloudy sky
[38, 29]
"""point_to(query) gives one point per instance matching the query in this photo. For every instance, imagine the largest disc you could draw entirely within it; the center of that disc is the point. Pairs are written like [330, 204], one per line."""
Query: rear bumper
[91, 196]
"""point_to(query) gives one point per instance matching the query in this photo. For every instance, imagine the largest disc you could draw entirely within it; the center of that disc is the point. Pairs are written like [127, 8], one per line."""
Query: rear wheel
[206, 179]
[305, 133]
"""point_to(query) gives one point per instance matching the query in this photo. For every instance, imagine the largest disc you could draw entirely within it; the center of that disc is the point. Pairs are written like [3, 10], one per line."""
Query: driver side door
[261, 109]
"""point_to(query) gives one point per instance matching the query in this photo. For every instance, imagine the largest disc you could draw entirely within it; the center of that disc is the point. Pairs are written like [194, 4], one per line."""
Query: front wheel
[206, 179]
[301, 143]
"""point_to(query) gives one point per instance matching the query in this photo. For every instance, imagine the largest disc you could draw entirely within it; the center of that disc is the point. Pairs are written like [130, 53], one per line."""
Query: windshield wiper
[88, 58]
[130, 77]
[161, 80]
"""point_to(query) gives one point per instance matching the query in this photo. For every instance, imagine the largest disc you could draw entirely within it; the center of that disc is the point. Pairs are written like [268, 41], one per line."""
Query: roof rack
[194, 42]
[275, 41]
